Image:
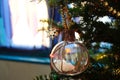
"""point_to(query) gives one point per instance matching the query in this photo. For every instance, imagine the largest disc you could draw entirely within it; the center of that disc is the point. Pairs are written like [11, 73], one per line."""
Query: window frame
[14, 54]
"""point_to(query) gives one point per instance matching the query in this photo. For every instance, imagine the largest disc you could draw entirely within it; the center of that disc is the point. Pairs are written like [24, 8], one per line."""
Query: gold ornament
[106, 3]
[114, 11]
[118, 14]
[110, 9]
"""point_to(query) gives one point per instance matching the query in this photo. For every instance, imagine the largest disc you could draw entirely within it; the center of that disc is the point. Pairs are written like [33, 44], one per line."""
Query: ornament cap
[69, 35]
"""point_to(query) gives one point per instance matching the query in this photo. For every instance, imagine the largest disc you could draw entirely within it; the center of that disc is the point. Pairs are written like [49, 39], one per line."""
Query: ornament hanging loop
[66, 18]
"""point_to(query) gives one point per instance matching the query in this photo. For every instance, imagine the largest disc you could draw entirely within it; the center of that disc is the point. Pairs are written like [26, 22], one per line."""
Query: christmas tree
[104, 65]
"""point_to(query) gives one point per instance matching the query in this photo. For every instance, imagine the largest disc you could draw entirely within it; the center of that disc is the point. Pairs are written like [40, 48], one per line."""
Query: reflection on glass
[69, 58]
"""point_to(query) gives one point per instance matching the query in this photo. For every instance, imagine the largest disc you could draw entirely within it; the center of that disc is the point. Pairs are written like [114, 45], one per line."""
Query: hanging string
[66, 18]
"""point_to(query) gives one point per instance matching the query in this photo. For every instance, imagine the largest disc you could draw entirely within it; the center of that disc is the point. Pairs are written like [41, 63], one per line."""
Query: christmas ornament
[69, 57]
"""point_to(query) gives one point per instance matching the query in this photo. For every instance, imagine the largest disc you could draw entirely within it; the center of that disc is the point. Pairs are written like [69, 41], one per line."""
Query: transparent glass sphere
[69, 58]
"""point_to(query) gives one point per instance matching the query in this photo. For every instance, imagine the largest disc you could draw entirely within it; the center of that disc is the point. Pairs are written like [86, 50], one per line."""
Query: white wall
[10, 70]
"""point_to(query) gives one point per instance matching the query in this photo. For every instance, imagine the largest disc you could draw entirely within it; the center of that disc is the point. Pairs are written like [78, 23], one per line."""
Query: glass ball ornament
[69, 57]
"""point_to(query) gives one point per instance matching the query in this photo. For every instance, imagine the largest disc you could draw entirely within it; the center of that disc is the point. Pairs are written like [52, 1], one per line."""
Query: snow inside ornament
[69, 57]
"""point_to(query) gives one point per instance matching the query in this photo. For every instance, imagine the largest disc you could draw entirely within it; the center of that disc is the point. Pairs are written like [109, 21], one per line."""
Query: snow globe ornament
[69, 57]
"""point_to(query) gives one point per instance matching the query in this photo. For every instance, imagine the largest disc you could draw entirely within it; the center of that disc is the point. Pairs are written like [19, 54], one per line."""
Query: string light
[110, 9]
